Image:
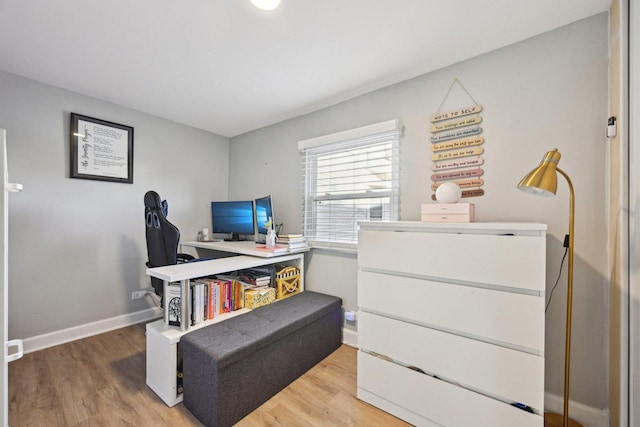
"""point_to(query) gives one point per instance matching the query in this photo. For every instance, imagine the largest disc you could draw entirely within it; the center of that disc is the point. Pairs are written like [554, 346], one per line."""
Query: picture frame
[101, 150]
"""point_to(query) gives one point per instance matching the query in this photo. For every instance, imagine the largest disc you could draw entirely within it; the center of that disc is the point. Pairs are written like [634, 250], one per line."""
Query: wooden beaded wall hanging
[456, 144]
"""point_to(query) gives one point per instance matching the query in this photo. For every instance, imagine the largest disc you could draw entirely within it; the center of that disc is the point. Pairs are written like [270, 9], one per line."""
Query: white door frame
[634, 210]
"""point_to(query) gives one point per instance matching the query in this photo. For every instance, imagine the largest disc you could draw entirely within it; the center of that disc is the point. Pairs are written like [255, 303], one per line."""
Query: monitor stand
[235, 237]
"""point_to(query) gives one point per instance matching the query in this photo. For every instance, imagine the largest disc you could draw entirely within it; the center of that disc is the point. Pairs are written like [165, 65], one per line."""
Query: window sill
[332, 247]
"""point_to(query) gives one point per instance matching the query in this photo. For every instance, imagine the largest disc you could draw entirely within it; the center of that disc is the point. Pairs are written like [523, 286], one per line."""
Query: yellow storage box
[254, 298]
[287, 282]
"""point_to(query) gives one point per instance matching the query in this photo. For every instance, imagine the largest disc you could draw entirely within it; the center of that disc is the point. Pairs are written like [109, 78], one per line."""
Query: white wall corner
[51, 339]
[585, 415]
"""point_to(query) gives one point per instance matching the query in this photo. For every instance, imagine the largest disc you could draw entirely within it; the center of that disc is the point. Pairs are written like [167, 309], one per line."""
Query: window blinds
[349, 177]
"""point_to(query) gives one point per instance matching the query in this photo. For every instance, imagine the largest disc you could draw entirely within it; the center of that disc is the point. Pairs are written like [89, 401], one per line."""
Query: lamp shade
[543, 180]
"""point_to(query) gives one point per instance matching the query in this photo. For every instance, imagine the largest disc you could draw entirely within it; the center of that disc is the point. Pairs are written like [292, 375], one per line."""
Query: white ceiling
[229, 68]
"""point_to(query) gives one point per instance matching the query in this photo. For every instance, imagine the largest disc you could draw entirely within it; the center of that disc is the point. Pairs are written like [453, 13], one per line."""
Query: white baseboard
[350, 337]
[51, 339]
[585, 415]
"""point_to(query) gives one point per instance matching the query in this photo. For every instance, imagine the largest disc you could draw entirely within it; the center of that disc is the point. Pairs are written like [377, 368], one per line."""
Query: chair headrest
[153, 201]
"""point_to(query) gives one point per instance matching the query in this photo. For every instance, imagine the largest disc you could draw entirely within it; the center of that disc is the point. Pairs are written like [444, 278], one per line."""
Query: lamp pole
[567, 347]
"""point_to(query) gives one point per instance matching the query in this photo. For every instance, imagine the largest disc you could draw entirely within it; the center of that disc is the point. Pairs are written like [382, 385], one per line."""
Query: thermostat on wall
[611, 127]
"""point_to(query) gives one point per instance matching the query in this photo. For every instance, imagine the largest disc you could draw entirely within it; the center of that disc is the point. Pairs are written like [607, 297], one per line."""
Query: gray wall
[543, 93]
[77, 247]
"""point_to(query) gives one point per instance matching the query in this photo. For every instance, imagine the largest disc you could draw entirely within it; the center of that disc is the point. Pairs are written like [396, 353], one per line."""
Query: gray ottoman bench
[232, 367]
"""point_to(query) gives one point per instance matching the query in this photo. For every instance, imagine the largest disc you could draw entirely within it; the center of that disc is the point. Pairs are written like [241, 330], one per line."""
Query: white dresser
[451, 322]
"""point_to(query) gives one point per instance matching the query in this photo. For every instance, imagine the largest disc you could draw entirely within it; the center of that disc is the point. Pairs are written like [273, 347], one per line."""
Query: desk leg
[165, 290]
[184, 302]
[301, 267]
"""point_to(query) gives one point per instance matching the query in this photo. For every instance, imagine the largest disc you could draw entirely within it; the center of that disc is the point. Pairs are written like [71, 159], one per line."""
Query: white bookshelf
[163, 340]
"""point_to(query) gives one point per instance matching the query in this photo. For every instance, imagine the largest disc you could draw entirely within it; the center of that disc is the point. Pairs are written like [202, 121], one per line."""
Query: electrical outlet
[351, 316]
[138, 294]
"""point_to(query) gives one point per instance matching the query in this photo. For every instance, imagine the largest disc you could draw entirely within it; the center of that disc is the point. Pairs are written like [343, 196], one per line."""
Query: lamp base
[556, 420]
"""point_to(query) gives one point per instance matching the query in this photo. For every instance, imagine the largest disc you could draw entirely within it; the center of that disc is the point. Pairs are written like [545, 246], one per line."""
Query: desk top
[245, 247]
[191, 270]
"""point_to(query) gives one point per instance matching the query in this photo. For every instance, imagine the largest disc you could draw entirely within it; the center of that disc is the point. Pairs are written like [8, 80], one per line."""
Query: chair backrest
[162, 236]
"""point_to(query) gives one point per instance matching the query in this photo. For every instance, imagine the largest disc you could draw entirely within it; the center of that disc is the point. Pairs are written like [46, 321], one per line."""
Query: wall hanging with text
[456, 143]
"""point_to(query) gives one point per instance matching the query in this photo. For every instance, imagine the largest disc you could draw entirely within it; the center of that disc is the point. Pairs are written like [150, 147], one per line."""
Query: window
[349, 176]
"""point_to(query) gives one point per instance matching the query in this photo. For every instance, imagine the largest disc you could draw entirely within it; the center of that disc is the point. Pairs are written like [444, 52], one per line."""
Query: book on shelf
[256, 276]
[256, 283]
[238, 295]
[237, 279]
[201, 304]
[216, 308]
[212, 297]
[173, 304]
[209, 289]
[265, 270]
[201, 301]
[223, 296]
[195, 303]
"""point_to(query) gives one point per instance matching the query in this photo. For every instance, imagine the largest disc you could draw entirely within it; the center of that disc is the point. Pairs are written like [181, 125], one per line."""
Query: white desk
[245, 247]
[163, 340]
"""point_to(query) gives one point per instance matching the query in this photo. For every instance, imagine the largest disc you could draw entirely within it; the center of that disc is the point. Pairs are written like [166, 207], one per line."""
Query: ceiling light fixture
[266, 4]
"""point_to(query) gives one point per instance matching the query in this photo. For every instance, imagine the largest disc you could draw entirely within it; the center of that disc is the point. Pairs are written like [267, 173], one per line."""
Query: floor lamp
[543, 181]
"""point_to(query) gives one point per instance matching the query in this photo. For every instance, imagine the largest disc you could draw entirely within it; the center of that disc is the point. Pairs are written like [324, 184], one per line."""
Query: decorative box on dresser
[451, 322]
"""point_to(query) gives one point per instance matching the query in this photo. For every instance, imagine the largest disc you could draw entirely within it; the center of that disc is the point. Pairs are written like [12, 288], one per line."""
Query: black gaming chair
[162, 237]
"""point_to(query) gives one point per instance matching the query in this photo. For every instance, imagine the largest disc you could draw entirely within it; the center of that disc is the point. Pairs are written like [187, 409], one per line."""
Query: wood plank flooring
[100, 381]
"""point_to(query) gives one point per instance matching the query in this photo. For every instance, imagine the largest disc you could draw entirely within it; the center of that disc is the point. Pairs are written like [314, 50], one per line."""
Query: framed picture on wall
[101, 150]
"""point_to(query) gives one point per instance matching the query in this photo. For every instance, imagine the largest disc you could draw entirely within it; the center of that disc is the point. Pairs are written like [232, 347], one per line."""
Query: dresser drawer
[494, 370]
[512, 319]
[424, 400]
[489, 259]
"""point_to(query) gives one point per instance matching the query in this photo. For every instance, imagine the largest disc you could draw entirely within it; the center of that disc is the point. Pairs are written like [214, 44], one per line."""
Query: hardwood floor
[100, 381]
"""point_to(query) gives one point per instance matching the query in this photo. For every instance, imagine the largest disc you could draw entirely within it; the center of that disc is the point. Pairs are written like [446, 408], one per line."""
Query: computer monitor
[264, 211]
[233, 218]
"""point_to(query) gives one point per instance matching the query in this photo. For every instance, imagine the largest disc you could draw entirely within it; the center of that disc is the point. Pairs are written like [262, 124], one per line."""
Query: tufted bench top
[235, 338]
